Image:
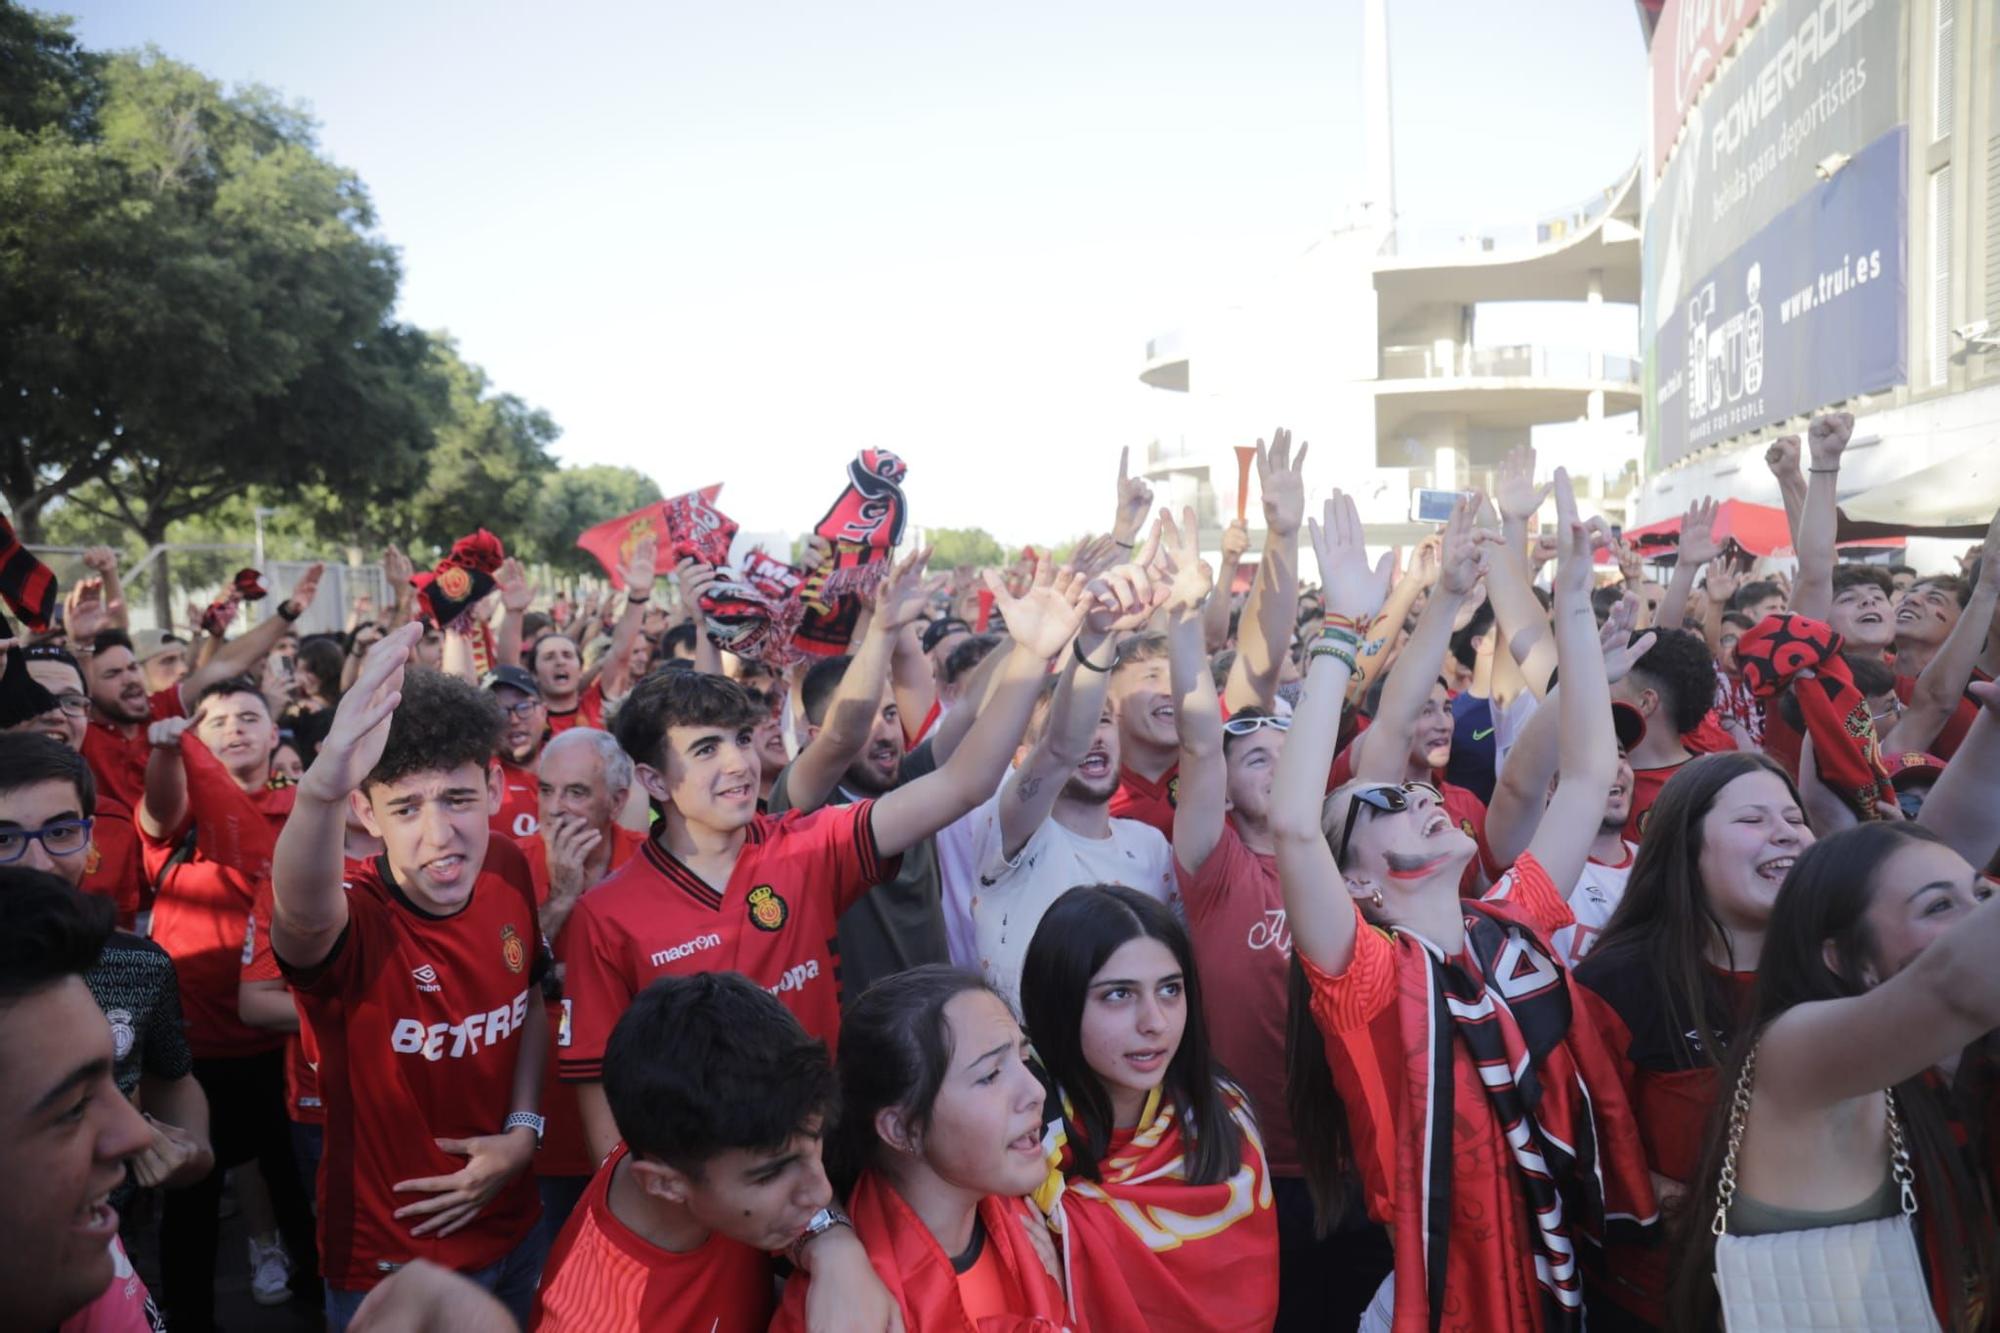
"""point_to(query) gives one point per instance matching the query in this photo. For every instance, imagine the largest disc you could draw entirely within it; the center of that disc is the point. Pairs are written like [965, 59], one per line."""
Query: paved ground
[235, 1312]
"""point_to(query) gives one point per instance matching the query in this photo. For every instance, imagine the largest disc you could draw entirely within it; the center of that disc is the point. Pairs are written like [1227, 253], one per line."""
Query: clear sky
[736, 242]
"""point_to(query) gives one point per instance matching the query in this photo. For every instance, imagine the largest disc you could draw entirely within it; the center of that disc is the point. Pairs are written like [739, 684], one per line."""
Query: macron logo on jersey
[414, 1037]
[686, 949]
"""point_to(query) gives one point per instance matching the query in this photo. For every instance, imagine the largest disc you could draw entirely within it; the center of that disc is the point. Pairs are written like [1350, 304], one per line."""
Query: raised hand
[1348, 586]
[1631, 565]
[814, 551]
[1826, 439]
[1191, 580]
[1235, 540]
[900, 598]
[101, 560]
[1783, 457]
[1698, 545]
[516, 593]
[1621, 651]
[1515, 491]
[360, 728]
[306, 588]
[1135, 501]
[1047, 614]
[165, 734]
[1724, 578]
[639, 569]
[1092, 556]
[85, 612]
[396, 568]
[1281, 482]
[693, 578]
[1424, 561]
[1461, 562]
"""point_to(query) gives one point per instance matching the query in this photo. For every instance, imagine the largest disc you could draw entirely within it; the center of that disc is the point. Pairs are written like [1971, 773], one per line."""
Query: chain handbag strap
[1900, 1168]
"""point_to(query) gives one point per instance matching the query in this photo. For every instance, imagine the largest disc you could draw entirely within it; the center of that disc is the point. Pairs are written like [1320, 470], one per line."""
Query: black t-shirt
[135, 985]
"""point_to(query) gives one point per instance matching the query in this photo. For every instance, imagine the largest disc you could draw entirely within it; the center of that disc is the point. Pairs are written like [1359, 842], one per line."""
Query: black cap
[514, 677]
[935, 632]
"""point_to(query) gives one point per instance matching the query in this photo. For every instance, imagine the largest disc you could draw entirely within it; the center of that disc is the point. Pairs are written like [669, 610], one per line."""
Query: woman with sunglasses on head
[1436, 1046]
[1161, 1197]
[939, 1139]
[1875, 993]
[1223, 854]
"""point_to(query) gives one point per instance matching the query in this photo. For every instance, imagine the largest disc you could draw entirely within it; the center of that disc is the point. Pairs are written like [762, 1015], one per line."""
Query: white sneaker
[270, 1273]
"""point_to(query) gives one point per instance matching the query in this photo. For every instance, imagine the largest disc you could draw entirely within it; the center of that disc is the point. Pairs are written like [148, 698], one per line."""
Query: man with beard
[1052, 827]
[121, 707]
[112, 868]
[557, 663]
[854, 752]
[209, 819]
[524, 730]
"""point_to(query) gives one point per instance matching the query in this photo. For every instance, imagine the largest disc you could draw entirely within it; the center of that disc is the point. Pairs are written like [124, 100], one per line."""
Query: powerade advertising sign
[1810, 86]
[1811, 311]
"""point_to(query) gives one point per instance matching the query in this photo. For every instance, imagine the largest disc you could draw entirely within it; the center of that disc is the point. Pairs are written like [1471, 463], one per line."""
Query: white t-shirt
[958, 846]
[1598, 892]
[1013, 894]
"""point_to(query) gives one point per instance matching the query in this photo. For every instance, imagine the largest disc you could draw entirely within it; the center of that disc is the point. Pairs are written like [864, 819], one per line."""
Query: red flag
[681, 526]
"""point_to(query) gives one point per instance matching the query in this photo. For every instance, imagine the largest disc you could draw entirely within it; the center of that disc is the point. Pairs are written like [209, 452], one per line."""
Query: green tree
[578, 498]
[951, 547]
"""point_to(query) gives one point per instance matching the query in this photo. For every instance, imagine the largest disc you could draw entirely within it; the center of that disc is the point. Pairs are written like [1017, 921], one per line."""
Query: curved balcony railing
[1425, 361]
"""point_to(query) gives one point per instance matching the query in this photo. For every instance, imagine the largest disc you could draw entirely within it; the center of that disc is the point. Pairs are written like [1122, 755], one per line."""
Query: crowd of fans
[1492, 938]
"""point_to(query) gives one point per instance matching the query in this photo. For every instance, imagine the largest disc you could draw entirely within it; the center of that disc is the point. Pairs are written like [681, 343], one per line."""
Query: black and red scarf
[26, 584]
[863, 526]
[1507, 998]
[1773, 655]
[247, 586]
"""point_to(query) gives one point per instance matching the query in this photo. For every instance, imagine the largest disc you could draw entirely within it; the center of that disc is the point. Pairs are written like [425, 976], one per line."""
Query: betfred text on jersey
[439, 1041]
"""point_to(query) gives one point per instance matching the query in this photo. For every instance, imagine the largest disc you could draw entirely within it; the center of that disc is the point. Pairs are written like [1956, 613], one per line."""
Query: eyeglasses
[1249, 726]
[65, 837]
[522, 709]
[1385, 799]
[76, 705]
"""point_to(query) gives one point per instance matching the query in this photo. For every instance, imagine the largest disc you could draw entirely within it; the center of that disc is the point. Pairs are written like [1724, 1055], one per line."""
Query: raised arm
[1204, 782]
[309, 910]
[1318, 909]
[164, 808]
[1783, 460]
[1941, 684]
[1215, 617]
[1383, 750]
[244, 652]
[1517, 612]
[1265, 633]
[1124, 597]
[1587, 756]
[1960, 808]
[517, 594]
[1041, 623]
[1826, 441]
[616, 678]
[103, 561]
[851, 713]
[1378, 648]
[1698, 547]
[398, 570]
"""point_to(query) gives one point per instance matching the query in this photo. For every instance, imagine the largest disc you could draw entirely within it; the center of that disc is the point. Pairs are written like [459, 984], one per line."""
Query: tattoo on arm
[1026, 788]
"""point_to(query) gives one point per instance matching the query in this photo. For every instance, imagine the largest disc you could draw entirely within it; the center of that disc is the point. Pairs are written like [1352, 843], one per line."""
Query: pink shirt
[125, 1307]
[1243, 950]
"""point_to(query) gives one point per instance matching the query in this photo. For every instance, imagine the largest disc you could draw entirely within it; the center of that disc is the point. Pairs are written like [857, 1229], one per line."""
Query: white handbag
[1863, 1276]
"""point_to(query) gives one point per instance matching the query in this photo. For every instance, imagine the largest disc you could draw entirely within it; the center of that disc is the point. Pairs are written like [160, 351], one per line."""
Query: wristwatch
[531, 1120]
[289, 610]
[823, 1221]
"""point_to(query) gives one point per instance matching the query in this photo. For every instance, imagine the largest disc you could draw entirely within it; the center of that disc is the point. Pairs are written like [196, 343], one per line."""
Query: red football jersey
[203, 907]
[565, 1151]
[774, 923]
[589, 711]
[520, 812]
[601, 1275]
[118, 760]
[113, 867]
[418, 1019]
[302, 1101]
[1146, 801]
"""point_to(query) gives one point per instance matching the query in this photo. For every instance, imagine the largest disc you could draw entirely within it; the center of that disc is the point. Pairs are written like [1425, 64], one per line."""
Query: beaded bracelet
[1337, 653]
[1347, 636]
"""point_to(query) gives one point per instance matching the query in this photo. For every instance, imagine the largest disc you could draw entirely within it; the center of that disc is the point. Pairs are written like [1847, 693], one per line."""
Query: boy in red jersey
[418, 979]
[522, 736]
[720, 888]
[719, 1096]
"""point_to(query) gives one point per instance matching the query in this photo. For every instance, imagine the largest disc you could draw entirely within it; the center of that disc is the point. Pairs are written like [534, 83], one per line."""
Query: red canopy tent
[1759, 530]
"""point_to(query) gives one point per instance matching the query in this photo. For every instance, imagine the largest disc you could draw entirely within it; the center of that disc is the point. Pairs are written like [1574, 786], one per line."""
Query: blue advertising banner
[1810, 310]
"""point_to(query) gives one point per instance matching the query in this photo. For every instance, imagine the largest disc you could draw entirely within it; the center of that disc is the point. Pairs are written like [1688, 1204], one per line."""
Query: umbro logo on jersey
[427, 979]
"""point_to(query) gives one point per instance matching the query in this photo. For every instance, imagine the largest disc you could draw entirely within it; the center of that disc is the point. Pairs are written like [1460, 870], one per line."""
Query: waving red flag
[685, 525]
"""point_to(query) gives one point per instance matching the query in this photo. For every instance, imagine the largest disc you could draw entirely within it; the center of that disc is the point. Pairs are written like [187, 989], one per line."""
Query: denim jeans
[513, 1280]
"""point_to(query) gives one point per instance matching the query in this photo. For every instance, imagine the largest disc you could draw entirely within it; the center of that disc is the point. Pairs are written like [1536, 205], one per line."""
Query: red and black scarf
[460, 581]
[1507, 998]
[1846, 752]
[863, 526]
[26, 584]
[247, 586]
[696, 529]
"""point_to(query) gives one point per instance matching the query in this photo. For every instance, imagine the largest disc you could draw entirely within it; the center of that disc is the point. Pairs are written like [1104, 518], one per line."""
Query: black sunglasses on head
[1386, 799]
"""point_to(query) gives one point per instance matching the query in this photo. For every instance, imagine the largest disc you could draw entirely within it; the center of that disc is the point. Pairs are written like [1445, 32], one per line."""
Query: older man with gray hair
[584, 777]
